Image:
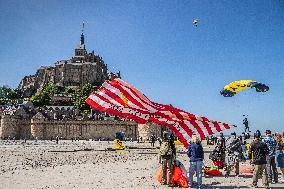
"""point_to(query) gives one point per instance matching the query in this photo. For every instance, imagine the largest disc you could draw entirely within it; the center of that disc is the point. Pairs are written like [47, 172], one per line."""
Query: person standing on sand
[234, 154]
[153, 140]
[57, 139]
[167, 158]
[196, 154]
[221, 143]
[271, 165]
[259, 151]
[279, 155]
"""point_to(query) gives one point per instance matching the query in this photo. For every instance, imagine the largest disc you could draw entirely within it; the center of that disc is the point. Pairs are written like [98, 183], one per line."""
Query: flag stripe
[198, 129]
[130, 96]
[99, 102]
[180, 133]
[118, 99]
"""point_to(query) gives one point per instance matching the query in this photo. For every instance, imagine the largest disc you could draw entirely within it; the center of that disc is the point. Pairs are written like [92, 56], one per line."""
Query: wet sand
[86, 164]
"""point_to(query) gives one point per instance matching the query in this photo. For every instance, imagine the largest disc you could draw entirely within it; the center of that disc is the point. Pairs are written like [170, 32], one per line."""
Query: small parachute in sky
[240, 85]
[195, 22]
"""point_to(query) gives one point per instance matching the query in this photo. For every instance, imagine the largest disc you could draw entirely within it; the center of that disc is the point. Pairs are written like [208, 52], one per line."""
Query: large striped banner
[121, 99]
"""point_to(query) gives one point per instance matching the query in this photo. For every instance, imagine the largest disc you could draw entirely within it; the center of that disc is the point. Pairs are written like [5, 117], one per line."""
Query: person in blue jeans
[271, 165]
[196, 155]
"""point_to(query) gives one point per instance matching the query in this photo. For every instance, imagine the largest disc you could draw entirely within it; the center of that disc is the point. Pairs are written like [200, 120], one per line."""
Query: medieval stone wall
[13, 126]
[81, 129]
[39, 127]
[27, 123]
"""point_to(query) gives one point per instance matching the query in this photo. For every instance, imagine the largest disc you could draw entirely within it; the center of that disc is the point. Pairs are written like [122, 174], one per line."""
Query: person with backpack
[258, 152]
[234, 154]
[271, 165]
[167, 158]
[196, 155]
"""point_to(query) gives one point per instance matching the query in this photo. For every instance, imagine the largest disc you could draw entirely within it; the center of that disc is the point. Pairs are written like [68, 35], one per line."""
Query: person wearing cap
[234, 154]
[167, 156]
[271, 164]
[259, 150]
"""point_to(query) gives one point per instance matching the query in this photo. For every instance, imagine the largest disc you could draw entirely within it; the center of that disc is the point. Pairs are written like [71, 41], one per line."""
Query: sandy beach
[86, 164]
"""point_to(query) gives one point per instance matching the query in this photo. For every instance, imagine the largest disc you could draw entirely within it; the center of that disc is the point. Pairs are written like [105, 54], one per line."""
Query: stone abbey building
[81, 69]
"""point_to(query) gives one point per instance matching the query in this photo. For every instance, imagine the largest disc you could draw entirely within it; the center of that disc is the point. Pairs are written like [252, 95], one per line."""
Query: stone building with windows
[77, 71]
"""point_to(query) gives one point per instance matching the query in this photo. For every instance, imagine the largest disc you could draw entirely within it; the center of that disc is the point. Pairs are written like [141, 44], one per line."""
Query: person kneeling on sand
[196, 154]
[259, 151]
[167, 157]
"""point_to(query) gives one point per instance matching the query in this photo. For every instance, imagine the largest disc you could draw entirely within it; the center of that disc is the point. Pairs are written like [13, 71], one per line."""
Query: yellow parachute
[195, 22]
[237, 86]
[118, 145]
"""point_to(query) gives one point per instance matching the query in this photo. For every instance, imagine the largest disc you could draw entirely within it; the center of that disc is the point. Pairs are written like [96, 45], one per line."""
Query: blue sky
[159, 51]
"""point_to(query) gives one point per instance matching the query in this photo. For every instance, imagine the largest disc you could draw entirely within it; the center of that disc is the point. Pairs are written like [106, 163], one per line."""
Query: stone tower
[80, 51]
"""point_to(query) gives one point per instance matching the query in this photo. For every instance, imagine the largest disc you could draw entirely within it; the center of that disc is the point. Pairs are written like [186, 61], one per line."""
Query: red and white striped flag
[119, 98]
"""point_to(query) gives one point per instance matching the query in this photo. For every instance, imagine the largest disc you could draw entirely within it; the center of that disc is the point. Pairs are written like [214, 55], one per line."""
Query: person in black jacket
[259, 150]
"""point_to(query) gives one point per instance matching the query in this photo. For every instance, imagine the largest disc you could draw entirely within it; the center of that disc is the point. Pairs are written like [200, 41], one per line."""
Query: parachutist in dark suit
[245, 122]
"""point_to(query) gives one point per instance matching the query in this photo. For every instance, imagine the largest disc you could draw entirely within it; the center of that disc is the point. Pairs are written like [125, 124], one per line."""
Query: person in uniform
[167, 158]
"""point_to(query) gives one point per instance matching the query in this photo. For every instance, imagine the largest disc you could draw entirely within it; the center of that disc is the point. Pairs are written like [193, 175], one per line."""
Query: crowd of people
[265, 153]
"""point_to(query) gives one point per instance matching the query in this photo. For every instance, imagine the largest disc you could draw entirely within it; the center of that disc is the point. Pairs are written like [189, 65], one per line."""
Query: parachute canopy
[195, 22]
[237, 86]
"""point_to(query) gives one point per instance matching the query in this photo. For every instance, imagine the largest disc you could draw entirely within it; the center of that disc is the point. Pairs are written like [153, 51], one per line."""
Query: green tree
[8, 96]
[46, 94]
[81, 95]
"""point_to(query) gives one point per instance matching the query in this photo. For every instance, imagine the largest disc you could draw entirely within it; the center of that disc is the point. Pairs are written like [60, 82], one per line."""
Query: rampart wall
[20, 125]
[13, 126]
[82, 129]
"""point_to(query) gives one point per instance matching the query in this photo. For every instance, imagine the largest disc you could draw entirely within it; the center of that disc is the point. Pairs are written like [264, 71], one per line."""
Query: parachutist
[245, 122]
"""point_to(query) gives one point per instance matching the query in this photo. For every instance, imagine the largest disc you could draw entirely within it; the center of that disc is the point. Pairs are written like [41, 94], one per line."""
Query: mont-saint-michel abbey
[81, 69]
[30, 122]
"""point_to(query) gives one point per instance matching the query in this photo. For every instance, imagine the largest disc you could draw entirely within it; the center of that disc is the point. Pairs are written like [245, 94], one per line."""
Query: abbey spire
[82, 40]
[80, 52]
